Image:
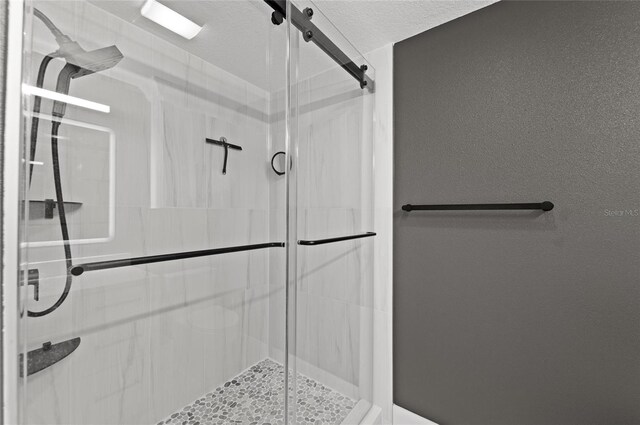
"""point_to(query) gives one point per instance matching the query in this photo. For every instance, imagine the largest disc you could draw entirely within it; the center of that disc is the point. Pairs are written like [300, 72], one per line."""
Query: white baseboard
[404, 417]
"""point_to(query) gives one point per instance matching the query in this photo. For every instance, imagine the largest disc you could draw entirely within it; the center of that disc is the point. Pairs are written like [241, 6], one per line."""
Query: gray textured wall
[520, 318]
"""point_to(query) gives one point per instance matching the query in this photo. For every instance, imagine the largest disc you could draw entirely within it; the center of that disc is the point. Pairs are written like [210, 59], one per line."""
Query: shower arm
[310, 32]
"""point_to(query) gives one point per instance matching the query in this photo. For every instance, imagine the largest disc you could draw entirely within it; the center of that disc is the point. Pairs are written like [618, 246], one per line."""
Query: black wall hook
[223, 142]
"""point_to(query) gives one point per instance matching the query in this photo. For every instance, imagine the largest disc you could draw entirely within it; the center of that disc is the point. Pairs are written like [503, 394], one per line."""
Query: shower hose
[55, 159]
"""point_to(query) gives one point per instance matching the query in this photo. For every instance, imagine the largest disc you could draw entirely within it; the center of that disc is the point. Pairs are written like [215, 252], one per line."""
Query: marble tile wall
[154, 337]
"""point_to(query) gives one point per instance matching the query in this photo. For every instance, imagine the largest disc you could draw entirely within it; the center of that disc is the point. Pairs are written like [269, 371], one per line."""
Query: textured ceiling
[239, 37]
[370, 24]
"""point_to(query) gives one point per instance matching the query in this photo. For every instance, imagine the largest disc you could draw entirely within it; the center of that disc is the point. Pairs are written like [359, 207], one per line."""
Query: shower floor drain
[255, 397]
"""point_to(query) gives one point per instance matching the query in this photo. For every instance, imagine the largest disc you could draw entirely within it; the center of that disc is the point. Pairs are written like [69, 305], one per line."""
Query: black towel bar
[338, 239]
[135, 261]
[544, 206]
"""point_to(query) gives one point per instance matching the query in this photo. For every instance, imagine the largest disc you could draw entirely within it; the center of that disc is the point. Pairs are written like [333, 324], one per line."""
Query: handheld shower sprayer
[79, 62]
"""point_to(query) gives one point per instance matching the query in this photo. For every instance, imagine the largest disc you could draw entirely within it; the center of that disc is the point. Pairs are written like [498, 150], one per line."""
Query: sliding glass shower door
[153, 223]
[331, 221]
[197, 215]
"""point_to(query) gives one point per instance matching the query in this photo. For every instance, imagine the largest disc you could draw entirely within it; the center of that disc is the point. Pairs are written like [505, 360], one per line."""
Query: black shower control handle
[33, 279]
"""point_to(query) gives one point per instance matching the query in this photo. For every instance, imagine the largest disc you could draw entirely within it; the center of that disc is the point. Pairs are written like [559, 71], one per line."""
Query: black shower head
[81, 63]
[92, 61]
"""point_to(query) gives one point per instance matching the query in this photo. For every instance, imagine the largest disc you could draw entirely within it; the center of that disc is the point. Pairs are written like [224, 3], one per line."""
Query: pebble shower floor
[255, 397]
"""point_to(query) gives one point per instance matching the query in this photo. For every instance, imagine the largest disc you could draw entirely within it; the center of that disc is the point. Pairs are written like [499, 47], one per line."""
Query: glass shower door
[331, 213]
[154, 226]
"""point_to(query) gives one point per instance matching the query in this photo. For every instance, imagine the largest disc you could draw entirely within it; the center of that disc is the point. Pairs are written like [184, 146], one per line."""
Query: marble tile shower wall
[156, 337]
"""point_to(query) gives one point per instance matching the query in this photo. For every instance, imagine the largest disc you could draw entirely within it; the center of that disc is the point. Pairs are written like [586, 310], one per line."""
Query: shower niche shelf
[45, 208]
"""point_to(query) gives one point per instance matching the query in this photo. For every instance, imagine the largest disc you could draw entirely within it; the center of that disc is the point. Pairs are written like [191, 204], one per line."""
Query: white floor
[404, 417]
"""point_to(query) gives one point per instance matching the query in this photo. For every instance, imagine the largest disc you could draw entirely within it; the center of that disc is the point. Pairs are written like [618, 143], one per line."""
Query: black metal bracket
[48, 355]
[544, 206]
[302, 21]
[223, 142]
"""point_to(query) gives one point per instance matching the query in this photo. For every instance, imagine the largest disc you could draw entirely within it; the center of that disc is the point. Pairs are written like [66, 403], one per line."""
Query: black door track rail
[310, 32]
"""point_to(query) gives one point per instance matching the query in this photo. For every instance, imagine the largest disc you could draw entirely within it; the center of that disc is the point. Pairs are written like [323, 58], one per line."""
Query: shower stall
[197, 215]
